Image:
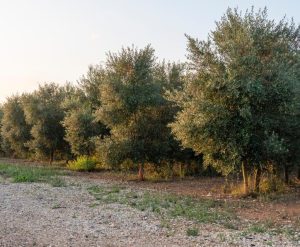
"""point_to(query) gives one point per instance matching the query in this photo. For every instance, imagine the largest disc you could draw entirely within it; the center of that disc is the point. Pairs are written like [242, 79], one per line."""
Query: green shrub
[83, 163]
[158, 172]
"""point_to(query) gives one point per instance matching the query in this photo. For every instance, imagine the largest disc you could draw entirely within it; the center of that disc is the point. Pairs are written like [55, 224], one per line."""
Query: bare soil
[281, 209]
[37, 214]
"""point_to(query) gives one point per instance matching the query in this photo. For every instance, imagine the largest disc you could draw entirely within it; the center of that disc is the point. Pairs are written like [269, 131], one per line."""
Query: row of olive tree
[118, 112]
[236, 103]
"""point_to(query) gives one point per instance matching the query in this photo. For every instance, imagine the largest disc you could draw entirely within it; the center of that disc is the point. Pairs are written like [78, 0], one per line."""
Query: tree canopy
[15, 131]
[241, 89]
[44, 113]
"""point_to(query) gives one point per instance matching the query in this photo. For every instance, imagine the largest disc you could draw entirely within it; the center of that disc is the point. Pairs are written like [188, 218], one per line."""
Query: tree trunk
[286, 174]
[141, 172]
[180, 170]
[298, 175]
[257, 179]
[185, 168]
[51, 157]
[170, 170]
[245, 176]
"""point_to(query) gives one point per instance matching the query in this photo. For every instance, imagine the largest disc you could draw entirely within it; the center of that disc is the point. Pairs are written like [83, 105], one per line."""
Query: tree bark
[257, 179]
[245, 176]
[170, 169]
[286, 174]
[141, 172]
[180, 171]
[51, 157]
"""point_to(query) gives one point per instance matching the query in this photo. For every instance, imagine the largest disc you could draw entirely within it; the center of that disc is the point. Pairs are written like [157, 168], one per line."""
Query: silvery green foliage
[15, 131]
[134, 108]
[80, 123]
[43, 111]
[240, 90]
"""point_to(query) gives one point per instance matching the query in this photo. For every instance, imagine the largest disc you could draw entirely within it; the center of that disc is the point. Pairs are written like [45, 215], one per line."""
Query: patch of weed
[23, 174]
[291, 233]
[165, 223]
[57, 206]
[167, 205]
[192, 232]
[93, 205]
[57, 182]
[231, 225]
[257, 228]
[222, 237]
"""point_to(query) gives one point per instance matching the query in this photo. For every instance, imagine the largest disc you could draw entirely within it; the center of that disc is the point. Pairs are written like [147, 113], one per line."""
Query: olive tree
[240, 87]
[82, 128]
[15, 131]
[43, 111]
[130, 98]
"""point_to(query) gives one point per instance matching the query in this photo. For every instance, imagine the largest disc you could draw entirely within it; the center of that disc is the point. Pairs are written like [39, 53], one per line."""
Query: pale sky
[56, 40]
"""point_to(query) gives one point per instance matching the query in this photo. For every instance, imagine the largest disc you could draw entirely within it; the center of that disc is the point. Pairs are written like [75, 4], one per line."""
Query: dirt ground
[281, 209]
[37, 214]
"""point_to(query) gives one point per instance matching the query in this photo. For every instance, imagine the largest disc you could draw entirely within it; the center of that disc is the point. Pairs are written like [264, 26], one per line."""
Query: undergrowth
[83, 163]
[23, 174]
[167, 205]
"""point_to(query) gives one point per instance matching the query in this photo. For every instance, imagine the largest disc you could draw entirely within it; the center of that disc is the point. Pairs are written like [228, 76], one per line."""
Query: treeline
[233, 106]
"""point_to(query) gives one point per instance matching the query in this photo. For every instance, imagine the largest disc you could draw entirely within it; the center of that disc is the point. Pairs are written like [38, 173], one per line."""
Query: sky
[56, 40]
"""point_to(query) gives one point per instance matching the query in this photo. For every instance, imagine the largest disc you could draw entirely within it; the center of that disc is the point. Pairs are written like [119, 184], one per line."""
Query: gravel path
[38, 214]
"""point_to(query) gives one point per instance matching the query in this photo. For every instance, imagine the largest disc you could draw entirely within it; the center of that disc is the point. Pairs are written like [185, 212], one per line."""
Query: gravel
[36, 214]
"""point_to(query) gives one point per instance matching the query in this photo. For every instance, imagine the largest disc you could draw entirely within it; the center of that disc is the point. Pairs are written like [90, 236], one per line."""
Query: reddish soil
[280, 209]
